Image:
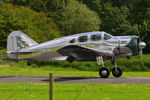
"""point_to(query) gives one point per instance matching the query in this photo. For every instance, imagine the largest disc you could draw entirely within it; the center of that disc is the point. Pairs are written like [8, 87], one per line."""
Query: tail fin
[16, 41]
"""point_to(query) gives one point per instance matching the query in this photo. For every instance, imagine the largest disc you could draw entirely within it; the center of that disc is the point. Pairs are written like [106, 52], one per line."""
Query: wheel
[29, 63]
[117, 72]
[16, 60]
[104, 72]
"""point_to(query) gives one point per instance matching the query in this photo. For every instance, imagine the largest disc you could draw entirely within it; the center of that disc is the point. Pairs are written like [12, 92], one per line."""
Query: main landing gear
[105, 72]
[116, 71]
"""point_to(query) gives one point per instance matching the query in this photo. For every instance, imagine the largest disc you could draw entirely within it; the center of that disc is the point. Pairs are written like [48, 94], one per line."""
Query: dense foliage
[36, 25]
[70, 15]
[124, 17]
[118, 17]
[75, 18]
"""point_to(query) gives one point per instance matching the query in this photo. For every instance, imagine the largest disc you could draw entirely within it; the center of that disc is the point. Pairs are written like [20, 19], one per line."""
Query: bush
[36, 25]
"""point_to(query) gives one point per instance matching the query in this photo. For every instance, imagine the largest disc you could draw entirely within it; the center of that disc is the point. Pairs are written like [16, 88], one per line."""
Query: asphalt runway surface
[45, 79]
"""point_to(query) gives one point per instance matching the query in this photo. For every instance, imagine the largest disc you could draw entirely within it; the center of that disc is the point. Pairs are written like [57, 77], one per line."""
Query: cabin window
[72, 41]
[96, 37]
[106, 37]
[83, 39]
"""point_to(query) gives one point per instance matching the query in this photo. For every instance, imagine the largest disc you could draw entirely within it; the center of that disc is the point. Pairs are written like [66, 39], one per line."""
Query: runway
[45, 79]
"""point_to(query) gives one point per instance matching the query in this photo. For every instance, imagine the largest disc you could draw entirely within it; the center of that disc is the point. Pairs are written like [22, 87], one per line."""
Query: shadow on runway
[6, 76]
[61, 79]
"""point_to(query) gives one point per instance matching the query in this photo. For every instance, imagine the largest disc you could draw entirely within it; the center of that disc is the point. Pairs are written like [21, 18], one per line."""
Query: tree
[75, 17]
[115, 20]
[145, 30]
[37, 5]
[95, 5]
[36, 25]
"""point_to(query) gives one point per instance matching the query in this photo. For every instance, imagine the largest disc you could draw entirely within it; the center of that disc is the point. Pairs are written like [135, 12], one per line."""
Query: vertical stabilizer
[16, 41]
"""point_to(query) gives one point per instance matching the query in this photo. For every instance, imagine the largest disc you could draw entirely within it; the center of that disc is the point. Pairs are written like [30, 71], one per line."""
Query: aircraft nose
[142, 45]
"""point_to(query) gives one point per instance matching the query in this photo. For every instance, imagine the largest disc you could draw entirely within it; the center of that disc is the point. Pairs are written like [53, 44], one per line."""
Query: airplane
[90, 46]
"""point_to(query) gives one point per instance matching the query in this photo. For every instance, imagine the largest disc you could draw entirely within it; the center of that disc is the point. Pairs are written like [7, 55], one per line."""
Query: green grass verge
[39, 91]
[44, 71]
[134, 64]
[73, 69]
[58, 71]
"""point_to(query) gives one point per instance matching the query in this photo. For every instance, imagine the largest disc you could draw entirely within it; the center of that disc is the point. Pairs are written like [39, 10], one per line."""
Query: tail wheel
[117, 72]
[104, 72]
[29, 63]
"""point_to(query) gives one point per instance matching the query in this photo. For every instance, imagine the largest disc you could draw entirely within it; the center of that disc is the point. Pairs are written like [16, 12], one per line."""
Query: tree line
[117, 17]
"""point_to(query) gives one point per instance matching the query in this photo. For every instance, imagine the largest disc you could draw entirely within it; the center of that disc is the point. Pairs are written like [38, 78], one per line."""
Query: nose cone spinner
[142, 45]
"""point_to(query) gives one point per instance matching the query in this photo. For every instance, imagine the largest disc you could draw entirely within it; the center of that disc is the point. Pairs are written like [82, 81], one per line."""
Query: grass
[58, 71]
[134, 64]
[39, 91]
[73, 69]
[44, 71]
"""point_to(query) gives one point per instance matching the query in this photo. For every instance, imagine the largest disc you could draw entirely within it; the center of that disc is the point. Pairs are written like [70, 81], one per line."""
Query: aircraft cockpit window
[72, 41]
[106, 37]
[96, 37]
[83, 38]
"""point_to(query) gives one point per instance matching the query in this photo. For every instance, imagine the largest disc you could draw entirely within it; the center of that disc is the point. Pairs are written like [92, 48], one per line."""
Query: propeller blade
[141, 56]
[141, 47]
[140, 44]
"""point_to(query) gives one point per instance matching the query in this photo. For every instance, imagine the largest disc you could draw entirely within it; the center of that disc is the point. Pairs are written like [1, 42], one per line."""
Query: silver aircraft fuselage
[96, 41]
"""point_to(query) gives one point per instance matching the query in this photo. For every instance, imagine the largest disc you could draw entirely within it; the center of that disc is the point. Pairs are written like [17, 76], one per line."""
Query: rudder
[16, 41]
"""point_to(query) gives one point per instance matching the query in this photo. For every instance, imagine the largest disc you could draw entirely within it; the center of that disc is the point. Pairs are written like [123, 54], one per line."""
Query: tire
[104, 72]
[117, 72]
[16, 60]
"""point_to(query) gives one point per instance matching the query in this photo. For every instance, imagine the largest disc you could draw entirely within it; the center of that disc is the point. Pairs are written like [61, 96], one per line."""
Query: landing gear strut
[103, 72]
[116, 71]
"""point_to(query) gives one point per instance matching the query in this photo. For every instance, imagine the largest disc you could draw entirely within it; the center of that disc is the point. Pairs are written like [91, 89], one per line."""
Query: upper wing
[80, 53]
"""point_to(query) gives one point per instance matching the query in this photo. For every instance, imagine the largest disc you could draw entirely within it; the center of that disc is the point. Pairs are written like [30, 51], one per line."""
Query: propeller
[141, 46]
[140, 49]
